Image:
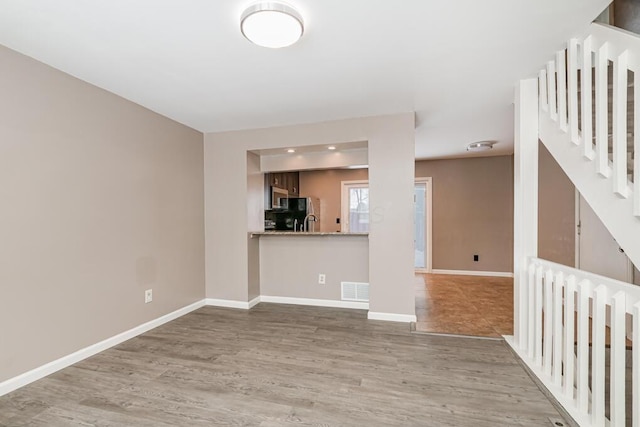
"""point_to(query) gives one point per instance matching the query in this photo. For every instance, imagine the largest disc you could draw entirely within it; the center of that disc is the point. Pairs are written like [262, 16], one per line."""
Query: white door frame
[428, 181]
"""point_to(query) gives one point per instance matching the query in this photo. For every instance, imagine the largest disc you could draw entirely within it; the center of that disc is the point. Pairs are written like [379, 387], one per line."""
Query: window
[355, 206]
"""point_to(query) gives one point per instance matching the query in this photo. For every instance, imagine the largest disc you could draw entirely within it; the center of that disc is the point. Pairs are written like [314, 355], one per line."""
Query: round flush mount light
[331, 147]
[291, 150]
[272, 24]
[480, 146]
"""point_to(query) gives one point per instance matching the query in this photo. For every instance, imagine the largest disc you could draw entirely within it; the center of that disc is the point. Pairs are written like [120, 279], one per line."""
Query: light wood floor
[464, 305]
[278, 365]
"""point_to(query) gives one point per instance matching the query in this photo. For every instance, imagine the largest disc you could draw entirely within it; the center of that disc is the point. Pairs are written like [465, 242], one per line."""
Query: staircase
[574, 327]
[587, 121]
[629, 111]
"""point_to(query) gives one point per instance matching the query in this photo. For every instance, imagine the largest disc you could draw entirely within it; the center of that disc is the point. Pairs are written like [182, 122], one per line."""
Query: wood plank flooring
[279, 365]
[464, 305]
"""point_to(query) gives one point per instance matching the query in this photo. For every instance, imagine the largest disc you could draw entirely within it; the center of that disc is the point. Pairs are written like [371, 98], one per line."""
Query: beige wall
[472, 208]
[556, 211]
[327, 186]
[101, 199]
[289, 266]
[391, 149]
[472, 212]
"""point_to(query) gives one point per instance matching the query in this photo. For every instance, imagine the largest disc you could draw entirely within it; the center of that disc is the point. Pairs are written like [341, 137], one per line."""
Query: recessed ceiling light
[272, 24]
[480, 146]
[291, 150]
[331, 147]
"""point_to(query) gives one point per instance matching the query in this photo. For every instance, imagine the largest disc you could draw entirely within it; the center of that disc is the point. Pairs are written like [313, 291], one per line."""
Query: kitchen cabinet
[289, 181]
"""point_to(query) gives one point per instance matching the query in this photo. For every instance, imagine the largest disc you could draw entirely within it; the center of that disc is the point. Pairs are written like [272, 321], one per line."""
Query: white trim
[391, 317]
[254, 302]
[557, 392]
[77, 356]
[577, 226]
[244, 305]
[474, 273]
[316, 302]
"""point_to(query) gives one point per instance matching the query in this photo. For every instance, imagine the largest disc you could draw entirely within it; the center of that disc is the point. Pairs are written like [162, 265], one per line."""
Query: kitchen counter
[305, 233]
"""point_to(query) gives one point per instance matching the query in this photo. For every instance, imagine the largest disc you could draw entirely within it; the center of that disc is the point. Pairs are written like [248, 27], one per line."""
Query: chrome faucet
[305, 223]
[295, 225]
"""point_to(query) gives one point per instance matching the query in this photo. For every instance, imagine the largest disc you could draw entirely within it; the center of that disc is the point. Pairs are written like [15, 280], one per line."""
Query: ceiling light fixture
[480, 146]
[291, 150]
[272, 24]
[331, 147]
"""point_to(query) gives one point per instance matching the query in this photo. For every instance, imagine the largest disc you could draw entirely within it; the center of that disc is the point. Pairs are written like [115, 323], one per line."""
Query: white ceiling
[453, 62]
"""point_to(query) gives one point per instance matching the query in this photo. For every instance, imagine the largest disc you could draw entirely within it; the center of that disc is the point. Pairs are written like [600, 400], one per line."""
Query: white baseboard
[254, 302]
[316, 302]
[244, 305]
[558, 393]
[474, 273]
[47, 369]
[391, 317]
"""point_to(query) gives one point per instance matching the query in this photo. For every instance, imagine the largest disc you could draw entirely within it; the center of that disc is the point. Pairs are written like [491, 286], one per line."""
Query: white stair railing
[590, 110]
[574, 327]
[569, 313]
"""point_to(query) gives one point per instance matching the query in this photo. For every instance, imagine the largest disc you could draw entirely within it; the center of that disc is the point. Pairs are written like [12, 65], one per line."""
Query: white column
[525, 213]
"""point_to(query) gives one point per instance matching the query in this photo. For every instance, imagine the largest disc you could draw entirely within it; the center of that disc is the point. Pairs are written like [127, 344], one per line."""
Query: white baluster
[572, 85]
[598, 360]
[586, 93]
[551, 89]
[602, 119]
[561, 64]
[558, 285]
[547, 352]
[542, 88]
[569, 335]
[635, 394]
[620, 67]
[538, 316]
[531, 320]
[618, 360]
[582, 359]
[636, 142]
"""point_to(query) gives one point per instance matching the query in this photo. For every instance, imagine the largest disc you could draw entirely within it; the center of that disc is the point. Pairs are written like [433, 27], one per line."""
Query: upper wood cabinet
[290, 181]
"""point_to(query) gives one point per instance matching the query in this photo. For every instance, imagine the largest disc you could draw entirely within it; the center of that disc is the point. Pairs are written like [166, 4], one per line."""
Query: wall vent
[355, 291]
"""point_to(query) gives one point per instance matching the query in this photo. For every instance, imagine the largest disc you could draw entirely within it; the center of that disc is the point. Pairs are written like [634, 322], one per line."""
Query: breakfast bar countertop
[304, 233]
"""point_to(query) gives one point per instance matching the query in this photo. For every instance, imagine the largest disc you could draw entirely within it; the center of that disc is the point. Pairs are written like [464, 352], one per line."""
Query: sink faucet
[295, 225]
[305, 223]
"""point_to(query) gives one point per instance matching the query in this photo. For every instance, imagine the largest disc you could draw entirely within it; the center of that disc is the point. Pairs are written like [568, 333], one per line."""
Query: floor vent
[355, 291]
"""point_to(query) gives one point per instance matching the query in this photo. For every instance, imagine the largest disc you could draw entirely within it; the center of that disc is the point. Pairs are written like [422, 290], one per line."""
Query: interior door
[598, 252]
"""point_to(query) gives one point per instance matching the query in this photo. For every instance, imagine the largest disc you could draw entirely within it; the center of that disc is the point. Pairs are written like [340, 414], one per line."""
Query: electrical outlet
[476, 257]
[148, 296]
[322, 279]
